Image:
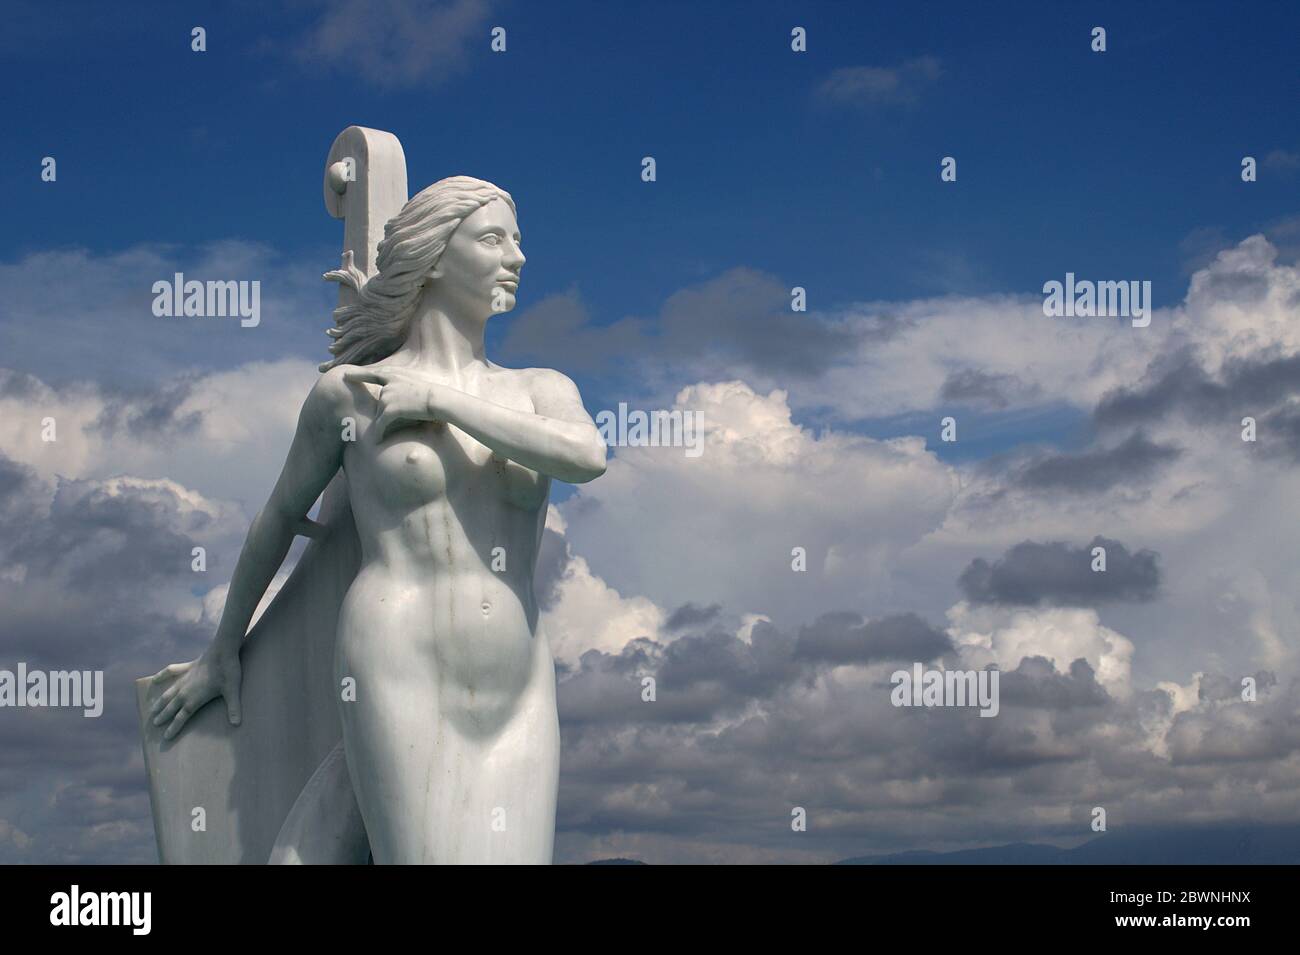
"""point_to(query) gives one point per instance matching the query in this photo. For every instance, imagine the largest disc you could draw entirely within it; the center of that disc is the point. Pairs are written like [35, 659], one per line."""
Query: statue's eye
[491, 239]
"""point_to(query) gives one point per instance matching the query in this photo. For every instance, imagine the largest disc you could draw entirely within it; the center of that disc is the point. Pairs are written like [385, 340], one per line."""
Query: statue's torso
[449, 536]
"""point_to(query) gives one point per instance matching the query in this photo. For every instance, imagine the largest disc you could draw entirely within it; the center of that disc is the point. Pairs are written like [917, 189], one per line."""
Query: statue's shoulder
[331, 396]
[547, 381]
[553, 393]
[535, 381]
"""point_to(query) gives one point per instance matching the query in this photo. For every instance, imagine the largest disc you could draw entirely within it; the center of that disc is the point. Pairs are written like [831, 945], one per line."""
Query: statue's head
[456, 242]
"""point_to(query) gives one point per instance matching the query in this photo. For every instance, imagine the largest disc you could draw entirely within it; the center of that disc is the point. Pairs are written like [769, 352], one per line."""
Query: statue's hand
[404, 396]
[188, 686]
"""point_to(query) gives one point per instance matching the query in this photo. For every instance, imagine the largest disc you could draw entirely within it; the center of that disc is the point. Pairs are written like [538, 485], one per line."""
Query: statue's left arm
[558, 438]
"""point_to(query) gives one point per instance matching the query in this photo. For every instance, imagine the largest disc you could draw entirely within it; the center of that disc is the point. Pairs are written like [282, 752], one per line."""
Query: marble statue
[396, 701]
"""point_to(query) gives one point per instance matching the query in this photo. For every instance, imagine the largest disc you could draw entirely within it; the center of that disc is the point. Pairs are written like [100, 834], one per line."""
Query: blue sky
[775, 169]
[1066, 159]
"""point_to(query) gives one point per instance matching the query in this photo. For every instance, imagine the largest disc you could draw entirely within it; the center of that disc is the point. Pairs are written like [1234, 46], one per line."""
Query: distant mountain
[1227, 845]
[619, 861]
[1019, 853]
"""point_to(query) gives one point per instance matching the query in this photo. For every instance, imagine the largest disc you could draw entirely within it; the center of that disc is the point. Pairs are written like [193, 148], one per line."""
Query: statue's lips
[512, 284]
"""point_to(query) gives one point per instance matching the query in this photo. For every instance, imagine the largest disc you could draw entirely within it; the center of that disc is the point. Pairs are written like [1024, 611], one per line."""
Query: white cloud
[721, 527]
[244, 416]
[1061, 634]
[588, 614]
[1243, 304]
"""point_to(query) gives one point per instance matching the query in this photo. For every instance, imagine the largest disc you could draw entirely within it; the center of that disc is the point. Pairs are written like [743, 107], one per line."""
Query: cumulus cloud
[186, 429]
[725, 526]
[1007, 637]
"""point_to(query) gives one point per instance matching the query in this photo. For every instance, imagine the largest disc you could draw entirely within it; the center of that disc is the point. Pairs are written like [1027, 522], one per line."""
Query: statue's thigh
[430, 794]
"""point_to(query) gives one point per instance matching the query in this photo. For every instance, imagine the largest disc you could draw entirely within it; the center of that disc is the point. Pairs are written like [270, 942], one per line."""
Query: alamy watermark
[61, 688]
[651, 429]
[1088, 299]
[922, 687]
[211, 299]
[77, 908]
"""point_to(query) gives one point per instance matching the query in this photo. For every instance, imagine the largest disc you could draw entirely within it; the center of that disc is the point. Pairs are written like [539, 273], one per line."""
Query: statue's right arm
[314, 458]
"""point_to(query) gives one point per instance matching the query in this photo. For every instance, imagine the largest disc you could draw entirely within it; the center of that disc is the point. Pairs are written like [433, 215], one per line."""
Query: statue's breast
[421, 463]
[408, 466]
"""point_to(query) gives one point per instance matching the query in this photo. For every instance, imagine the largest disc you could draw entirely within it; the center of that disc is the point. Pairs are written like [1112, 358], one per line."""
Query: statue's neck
[443, 342]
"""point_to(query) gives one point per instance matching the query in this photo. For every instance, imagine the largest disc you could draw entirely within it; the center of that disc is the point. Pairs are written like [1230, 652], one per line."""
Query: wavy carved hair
[374, 326]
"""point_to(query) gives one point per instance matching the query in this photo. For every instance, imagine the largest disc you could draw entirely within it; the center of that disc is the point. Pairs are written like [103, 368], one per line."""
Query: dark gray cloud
[1035, 683]
[839, 638]
[1219, 686]
[740, 320]
[689, 615]
[150, 414]
[1180, 385]
[16, 481]
[707, 675]
[1097, 470]
[1277, 433]
[1264, 387]
[559, 331]
[1177, 382]
[1056, 573]
[98, 538]
[697, 677]
[970, 386]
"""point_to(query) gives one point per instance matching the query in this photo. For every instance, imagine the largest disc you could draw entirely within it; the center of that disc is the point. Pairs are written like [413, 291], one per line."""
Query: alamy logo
[211, 299]
[1087, 299]
[102, 908]
[24, 687]
[922, 687]
[652, 429]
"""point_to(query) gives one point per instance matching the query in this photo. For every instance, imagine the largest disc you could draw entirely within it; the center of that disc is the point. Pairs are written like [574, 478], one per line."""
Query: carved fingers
[186, 687]
[403, 397]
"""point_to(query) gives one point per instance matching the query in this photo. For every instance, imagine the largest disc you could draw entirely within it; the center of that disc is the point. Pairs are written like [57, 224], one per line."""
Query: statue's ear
[435, 274]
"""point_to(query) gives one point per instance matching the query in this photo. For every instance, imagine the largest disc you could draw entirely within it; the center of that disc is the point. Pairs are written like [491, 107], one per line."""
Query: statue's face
[478, 272]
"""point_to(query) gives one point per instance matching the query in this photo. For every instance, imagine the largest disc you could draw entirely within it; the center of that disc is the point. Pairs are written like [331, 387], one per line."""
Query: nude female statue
[452, 738]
